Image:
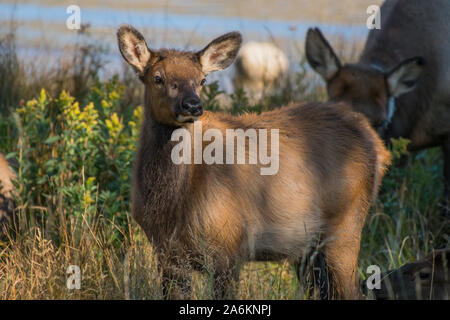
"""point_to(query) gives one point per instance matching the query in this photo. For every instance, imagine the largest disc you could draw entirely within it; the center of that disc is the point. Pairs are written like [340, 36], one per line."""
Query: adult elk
[259, 66]
[197, 215]
[428, 278]
[401, 82]
[7, 190]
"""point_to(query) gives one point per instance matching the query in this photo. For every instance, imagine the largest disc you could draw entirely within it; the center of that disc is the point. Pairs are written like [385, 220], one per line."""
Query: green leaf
[51, 140]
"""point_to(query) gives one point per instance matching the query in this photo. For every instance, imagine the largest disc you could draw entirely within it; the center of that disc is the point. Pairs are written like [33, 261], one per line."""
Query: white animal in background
[259, 66]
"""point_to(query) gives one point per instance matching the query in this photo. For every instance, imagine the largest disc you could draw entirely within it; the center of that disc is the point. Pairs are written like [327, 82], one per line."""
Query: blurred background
[41, 35]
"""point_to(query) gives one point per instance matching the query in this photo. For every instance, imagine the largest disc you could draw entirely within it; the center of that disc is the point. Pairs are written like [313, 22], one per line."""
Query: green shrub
[76, 159]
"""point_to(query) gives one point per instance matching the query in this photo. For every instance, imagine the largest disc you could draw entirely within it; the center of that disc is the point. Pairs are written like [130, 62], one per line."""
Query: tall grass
[75, 156]
[74, 69]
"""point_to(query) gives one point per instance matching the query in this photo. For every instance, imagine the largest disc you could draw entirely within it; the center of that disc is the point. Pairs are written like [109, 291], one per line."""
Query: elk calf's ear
[404, 77]
[220, 53]
[320, 55]
[133, 48]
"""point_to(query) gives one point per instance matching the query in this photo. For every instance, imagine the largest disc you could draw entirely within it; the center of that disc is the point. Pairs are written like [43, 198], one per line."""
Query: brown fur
[330, 166]
[428, 278]
[7, 191]
[409, 28]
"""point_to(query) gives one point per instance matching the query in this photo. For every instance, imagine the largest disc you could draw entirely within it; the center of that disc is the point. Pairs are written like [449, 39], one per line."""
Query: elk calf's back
[330, 166]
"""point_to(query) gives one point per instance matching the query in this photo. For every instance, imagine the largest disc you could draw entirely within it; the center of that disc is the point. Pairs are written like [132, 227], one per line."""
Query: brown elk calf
[330, 166]
[7, 190]
[428, 278]
[401, 82]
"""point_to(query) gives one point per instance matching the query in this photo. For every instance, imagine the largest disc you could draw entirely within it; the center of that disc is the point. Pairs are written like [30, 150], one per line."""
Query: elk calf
[330, 166]
[401, 80]
[428, 278]
[7, 190]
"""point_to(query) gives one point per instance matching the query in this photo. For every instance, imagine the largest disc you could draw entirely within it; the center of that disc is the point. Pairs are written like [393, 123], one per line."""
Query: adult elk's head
[428, 278]
[174, 79]
[366, 88]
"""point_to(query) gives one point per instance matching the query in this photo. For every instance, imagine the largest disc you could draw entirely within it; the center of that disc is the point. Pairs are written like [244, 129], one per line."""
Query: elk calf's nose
[193, 105]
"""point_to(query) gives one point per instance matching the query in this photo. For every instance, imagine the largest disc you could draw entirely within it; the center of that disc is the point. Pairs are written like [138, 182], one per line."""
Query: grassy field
[74, 138]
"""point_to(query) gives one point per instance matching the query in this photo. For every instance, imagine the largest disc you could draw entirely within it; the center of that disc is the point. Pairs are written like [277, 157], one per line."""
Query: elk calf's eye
[158, 80]
[203, 82]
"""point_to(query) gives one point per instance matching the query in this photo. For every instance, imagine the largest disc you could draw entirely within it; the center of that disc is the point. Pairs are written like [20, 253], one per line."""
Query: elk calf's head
[368, 89]
[174, 79]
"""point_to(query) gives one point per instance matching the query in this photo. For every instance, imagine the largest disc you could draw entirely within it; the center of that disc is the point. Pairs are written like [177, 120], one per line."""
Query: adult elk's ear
[220, 53]
[133, 48]
[404, 77]
[320, 55]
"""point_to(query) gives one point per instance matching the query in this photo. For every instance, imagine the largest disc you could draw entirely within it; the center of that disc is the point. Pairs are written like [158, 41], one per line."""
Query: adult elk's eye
[158, 80]
[424, 275]
[202, 83]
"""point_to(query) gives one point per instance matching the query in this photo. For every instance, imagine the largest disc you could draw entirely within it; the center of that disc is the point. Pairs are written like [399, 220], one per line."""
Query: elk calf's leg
[319, 272]
[321, 277]
[342, 260]
[341, 252]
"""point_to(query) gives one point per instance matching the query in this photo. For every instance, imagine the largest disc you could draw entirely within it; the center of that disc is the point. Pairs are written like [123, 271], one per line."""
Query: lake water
[185, 24]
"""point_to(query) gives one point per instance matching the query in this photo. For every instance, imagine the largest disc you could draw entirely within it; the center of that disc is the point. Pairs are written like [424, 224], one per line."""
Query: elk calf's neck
[330, 165]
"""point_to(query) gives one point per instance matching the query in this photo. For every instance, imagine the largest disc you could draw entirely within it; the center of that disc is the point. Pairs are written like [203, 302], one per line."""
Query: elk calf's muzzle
[192, 106]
